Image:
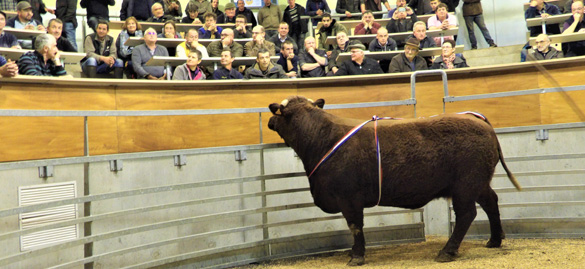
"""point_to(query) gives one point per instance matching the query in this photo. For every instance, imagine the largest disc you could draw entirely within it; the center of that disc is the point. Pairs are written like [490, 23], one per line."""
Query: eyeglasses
[151, 33]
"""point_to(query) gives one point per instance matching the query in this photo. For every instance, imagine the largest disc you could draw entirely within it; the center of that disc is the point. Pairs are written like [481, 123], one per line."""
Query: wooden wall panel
[505, 111]
[25, 138]
[52, 137]
[563, 107]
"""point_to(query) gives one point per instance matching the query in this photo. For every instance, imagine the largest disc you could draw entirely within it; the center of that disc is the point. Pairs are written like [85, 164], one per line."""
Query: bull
[452, 156]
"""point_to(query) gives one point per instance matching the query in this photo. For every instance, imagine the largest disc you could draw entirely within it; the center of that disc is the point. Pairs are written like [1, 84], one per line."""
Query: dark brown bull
[422, 159]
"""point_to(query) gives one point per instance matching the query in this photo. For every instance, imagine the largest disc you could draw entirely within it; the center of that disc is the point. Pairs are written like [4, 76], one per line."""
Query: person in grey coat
[409, 60]
[543, 50]
[264, 68]
[142, 53]
[190, 70]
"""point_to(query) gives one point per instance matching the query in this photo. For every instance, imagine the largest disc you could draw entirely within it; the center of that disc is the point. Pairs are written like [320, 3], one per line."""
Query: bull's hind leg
[488, 200]
[465, 212]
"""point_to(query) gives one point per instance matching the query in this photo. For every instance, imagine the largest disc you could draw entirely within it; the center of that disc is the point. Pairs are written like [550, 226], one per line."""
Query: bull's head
[285, 112]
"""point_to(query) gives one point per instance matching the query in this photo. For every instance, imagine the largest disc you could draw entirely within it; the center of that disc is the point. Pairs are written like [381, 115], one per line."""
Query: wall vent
[38, 194]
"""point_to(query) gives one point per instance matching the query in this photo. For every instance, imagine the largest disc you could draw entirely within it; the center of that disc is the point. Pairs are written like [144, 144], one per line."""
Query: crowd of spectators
[272, 33]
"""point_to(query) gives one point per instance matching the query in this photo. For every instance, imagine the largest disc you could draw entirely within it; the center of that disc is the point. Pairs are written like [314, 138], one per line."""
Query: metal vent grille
[38, 194]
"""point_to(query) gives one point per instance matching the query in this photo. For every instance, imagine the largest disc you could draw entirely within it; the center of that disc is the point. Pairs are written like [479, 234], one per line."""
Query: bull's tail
[501, 156]
[510, 175]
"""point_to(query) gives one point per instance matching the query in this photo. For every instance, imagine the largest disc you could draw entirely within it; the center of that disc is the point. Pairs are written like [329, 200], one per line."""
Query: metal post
[428, 72]
[88, 247]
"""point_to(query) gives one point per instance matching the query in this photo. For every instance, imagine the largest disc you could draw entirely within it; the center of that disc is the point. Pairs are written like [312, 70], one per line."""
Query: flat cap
[22, 5]
[357, 46]
[230, 5]
[413, 42]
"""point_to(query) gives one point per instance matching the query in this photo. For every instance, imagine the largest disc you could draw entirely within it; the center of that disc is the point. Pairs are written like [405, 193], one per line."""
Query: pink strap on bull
[350, 134]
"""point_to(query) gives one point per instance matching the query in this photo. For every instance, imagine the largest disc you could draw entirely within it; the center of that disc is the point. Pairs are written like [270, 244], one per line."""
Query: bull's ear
[319, 103]
[274, 108]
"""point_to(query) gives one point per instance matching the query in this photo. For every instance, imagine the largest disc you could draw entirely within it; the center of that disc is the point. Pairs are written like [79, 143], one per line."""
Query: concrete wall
[144, 173]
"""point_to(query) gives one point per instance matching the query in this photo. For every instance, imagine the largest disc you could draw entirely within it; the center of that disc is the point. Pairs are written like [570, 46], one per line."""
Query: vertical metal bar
[88, 247]
[425, 72]
[543, 27]
[413, 89]
[265, 234]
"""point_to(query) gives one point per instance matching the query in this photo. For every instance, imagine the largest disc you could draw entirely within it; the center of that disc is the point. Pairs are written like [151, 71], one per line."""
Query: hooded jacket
[325, 32]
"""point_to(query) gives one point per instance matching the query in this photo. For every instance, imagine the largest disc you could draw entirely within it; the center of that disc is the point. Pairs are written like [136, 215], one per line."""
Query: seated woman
[442, 21]
[170, 31]
[131, 28]
[192, 15]
[190, 70]
[448, 59]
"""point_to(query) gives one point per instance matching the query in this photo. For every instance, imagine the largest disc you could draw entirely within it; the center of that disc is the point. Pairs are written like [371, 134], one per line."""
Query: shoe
[493, 45]
[474, 48]
[91, 71]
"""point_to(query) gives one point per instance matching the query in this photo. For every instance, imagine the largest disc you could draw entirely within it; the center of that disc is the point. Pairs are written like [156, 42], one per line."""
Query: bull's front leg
[354, 215]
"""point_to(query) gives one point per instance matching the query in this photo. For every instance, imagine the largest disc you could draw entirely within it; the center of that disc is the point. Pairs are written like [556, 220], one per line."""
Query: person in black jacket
[297, 27]
[242, 9]
[359, 64]
[55, 28]
[139, 9]
[65, 11]
[96, 10]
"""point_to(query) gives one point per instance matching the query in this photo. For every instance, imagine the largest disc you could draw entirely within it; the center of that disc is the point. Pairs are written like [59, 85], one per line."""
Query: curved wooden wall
[25, 138]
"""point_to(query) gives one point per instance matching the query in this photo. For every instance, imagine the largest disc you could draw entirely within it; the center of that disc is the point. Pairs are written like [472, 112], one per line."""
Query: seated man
[330, 28]
[8, 69]
[448, 58]
[251, 48]
[312, 60]
[442, 21]
[264, 68]
[56, 29]
[44, 61]
[539, 8]
[575, 24]
[190, 70]
[383, 43]
[543, 50]
[210, 30]
[241, 30]
[408, 61]
[434, 4]
[400, 22]
[143, 52]
[192, 14]
[227, 71]
[227, 42]
[24, 20]
[101, 53]
[400, 4]
[342, 46]
[191, 42]
[7, 40]
[420, 33]
[281, 37]
[158, 14]
[374, 5]
[368, 26]
[243, 10]
[359, 64]
[288, 60]
[229, 15]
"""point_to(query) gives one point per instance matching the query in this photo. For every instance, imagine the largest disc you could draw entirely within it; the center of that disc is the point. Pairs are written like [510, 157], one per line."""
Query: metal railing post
[428, 72]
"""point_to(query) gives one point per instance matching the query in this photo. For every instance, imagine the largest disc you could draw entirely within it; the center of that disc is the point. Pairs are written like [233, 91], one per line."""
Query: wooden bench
[388, 55]
[331, 40]
[173, 42]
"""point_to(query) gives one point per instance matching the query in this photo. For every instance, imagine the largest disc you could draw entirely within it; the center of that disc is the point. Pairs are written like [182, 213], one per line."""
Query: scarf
[449, 61]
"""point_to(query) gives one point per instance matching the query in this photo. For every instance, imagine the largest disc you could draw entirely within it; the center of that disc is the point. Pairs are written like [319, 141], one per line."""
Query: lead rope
[350, 134]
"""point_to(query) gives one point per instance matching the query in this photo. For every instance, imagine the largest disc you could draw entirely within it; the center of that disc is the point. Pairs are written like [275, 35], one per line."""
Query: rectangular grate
[38, 194]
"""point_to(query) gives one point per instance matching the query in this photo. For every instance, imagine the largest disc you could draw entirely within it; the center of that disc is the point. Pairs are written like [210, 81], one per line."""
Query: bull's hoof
[445, 257]
[356, 261]
[493, 243]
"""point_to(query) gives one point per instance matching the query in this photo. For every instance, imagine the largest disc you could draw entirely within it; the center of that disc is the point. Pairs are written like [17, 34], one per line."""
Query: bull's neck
[322, 136]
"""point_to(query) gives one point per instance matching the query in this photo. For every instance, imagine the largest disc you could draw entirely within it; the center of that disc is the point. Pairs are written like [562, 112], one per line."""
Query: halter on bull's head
[289, 110]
